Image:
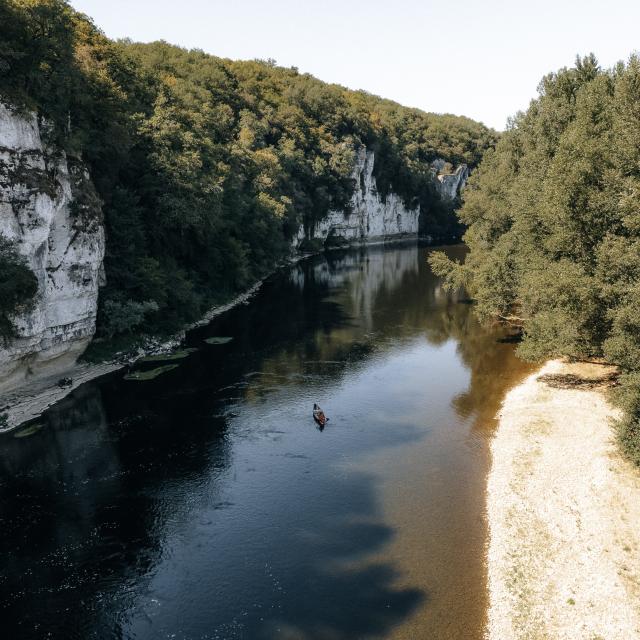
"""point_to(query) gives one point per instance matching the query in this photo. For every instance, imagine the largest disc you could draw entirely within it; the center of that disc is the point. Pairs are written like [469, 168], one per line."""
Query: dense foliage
[206, 166]
[553, 219]
[18, 286]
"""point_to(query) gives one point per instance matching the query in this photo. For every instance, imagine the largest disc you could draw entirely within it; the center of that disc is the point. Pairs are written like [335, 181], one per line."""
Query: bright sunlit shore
[563, 509]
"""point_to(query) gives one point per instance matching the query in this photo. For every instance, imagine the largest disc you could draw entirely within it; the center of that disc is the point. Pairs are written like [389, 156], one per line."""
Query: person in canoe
[318, 416]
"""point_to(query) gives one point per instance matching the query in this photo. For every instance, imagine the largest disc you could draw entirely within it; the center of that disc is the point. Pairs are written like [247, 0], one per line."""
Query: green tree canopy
[553, 217]
[207, 166]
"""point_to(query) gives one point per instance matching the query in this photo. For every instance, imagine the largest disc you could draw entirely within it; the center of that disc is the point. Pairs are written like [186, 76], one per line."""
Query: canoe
[318, 415]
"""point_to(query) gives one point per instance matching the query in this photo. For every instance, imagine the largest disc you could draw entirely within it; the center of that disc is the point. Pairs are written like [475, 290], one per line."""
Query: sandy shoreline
[563, 509]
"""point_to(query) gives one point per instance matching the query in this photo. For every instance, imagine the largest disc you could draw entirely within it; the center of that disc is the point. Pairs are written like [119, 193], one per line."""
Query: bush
[18, 286]
[124, 317]
[311, 245]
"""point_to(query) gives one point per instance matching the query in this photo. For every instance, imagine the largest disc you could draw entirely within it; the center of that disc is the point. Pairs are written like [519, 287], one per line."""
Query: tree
[554, 225]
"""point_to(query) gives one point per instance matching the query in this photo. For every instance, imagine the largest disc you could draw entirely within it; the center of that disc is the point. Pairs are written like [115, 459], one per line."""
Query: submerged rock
[151, 374]
[168, 357]
[218, 340]
[28, 431]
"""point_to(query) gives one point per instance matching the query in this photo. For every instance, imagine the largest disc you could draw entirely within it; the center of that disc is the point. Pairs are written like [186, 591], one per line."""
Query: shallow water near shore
[204, 502]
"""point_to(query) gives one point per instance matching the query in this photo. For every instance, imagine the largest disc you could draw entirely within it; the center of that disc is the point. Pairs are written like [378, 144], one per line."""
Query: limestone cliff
[370, 218]
[49, 208]
[449, 181]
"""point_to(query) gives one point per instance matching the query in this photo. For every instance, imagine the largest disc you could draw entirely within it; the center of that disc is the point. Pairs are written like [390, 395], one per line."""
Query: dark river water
[207, 504]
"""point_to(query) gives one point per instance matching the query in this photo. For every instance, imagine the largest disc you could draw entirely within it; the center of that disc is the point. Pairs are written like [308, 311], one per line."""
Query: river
[206, 503]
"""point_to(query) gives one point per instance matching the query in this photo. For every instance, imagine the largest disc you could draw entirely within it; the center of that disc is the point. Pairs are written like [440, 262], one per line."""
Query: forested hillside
[206, 167]
[553, 219]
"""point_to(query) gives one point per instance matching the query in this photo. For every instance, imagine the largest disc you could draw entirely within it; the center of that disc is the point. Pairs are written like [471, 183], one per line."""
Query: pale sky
[481, 58]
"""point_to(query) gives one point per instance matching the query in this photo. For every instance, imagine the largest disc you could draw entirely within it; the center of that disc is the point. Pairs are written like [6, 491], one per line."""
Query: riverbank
[30, 400]
[563, 510]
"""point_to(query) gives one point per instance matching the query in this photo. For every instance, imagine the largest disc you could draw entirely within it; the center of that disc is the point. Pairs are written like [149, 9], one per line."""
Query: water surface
[207, 504]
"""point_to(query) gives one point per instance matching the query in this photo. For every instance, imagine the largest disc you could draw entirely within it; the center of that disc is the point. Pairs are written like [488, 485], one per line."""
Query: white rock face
[449, 184]
[49, 207]
[371, 219]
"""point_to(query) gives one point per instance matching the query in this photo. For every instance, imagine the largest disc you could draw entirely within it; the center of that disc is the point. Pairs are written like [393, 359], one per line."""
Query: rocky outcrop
[370, 218]
[50, 209]
[449, 181]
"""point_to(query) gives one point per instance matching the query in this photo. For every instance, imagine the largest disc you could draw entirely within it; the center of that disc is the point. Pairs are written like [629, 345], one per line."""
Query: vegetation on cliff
[18, 286]
[206, 166]
[553, 217]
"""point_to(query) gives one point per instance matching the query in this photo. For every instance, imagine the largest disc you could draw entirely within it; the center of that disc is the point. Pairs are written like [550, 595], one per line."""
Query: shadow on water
[83, 520]
[204, 504]
[86, 527]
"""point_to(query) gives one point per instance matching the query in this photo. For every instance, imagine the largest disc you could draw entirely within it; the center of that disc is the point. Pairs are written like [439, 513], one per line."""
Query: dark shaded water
[206, 503]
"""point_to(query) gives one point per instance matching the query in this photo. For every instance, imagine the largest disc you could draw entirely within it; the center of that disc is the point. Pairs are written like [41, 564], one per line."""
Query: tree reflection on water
[204, 504]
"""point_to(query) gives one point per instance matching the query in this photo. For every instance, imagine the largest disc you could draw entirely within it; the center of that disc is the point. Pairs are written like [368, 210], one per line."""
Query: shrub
[18, 286]
[124, 317]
